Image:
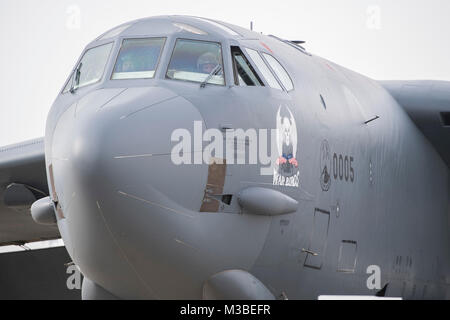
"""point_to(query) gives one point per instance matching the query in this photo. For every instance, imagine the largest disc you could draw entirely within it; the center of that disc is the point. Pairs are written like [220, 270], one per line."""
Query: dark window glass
[244, 74]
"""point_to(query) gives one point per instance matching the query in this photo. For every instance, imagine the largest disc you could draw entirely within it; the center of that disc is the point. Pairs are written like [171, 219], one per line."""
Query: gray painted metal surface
[370, 188]
[235, 284]
[264, 201]
[426, 102]
[43, 211]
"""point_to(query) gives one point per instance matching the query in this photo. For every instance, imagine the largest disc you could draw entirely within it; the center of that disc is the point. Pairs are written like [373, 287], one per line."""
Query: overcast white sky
[383, 39]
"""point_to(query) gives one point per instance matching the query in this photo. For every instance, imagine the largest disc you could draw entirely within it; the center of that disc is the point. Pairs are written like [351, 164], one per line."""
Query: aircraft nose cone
[118, 183]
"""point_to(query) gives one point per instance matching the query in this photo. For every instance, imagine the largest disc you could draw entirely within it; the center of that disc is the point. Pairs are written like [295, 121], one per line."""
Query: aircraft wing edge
[23, 180]
[427, 102]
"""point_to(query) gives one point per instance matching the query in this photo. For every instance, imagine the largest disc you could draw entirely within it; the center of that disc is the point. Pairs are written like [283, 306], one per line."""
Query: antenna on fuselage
[251, 25]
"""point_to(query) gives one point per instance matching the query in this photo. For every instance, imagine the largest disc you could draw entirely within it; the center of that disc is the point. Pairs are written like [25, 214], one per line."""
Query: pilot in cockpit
[127, 63]
[207, 62]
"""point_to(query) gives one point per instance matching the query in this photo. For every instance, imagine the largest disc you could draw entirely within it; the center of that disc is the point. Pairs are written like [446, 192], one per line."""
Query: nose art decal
[286, 170]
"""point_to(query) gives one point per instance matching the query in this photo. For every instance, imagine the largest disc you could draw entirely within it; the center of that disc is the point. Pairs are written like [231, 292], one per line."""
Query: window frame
[192, 81]
[275, 73]
[137, 38]
[63, 91]
[268, 68]
[235, 71]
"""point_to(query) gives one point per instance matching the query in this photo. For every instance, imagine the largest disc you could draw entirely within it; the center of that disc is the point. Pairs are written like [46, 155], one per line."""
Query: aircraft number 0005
[343, 167]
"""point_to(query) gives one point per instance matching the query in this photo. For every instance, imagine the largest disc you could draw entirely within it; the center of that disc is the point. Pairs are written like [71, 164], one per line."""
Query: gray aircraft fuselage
[370, 192]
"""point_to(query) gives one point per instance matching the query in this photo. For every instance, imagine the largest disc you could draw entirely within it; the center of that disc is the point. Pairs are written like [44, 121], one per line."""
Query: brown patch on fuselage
[214, 185]
[59, 212]
[52, 183]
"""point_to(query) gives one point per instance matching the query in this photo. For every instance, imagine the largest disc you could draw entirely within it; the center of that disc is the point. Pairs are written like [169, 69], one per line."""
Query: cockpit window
[138, 58]
[194, 60]
[280, 72]
[266, 73]
[244, 74]
[91, 67]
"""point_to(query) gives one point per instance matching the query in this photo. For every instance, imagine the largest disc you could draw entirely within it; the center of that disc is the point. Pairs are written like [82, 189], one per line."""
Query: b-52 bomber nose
[116, 186]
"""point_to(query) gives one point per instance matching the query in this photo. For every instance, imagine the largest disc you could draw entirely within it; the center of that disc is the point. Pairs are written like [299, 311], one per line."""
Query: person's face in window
[127, 66]
[207, 67]
[207, 62]
[193, 60]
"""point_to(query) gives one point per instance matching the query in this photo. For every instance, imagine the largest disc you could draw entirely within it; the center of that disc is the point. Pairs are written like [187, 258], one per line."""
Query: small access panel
[318, 240]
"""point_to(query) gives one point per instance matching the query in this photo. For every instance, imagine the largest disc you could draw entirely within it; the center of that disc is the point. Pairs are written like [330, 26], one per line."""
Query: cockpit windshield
[90, 69]
[194, 60]
[138, 58]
